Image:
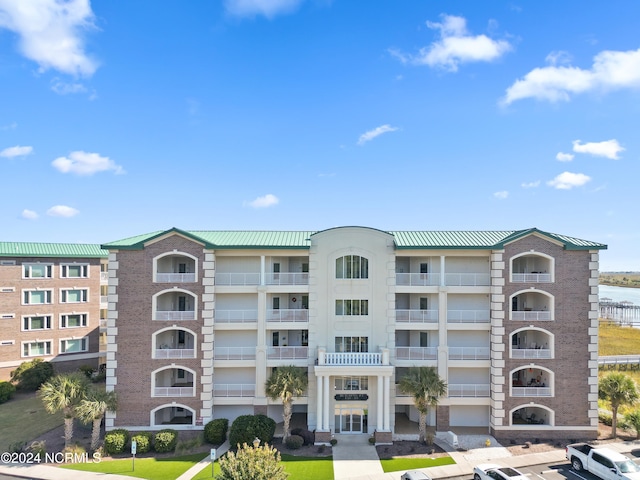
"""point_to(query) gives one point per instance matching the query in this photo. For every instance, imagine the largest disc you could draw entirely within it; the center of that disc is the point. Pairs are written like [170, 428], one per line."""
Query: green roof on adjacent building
[245, 239]
[62, 250]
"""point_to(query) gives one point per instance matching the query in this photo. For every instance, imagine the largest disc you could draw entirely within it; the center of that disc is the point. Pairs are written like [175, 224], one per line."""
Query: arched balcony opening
[531, 305]
[173, 381]
[532, 267]
[174, 342]
[532, 414]
[532, 381]
[175, 304]
[175, 267]
[173, 414]
[532, 343]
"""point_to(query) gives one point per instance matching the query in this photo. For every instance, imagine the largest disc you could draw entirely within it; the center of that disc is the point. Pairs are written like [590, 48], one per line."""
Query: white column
[262, 270]
[325, 404]
[380, 397]
[319, 403]
[386, 405]
[443, 280]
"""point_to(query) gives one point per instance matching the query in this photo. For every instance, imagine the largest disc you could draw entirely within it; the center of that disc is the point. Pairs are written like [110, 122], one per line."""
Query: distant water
[620, 294]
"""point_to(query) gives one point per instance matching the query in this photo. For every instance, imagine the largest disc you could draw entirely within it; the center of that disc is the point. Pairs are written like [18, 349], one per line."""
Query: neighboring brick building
[52, 297]
[198, 321]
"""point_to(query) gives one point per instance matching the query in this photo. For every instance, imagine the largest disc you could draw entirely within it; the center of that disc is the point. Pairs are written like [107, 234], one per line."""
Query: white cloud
[608, 148]
[531, 184]
[501, 194]
[268, 8]
[564, 157]
[29, 214]
[371, 134]
[558, 58]
[266, 201]
[51, 32]
[65, 88]
[456, 46]
[62, 211]
[568, 180]
[16, 151]
[610, 70]
[85, 163]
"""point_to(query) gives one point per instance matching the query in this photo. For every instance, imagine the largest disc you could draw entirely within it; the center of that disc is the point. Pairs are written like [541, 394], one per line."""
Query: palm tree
[92, 409]
[63, 393]
[286, 383]
[618, 389]
[426, 387]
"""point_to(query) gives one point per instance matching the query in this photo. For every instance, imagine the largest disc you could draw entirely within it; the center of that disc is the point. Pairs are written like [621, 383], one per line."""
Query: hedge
[215, 432]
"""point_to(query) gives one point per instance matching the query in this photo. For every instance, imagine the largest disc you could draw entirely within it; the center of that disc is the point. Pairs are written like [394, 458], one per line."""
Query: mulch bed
[409, 449]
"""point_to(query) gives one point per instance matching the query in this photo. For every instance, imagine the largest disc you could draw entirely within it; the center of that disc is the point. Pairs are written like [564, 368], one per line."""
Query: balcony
[416, 353]
[473, 390]
[234, 353]
[175, 277]
[468, 316]
[104, 277]
[531, 316]
[236, 316]
[531, 391]
[178, 391]
[416, 316]
[288, 315]
[175, 268]
[469, 353]
[237, 279]
[287, 353]
[104, 300]
[417, 279]
[103, 323]
[175, 353]
[467, 279]
[531, 277]
[174, 382]
[532, 268]
[350, 358]
[520, 353]
[284, 278]
[174, 305]
[175, 315]
[234, 390]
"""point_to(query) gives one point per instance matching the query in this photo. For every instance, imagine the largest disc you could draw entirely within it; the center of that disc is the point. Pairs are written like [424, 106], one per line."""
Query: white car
[415, 475]
[491, 471]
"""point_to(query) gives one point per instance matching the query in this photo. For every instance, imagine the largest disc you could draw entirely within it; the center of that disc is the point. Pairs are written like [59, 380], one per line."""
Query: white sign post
[213, 458]
[134, 448]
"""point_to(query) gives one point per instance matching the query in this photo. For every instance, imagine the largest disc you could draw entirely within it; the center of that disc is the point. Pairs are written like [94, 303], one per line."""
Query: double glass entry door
[350, 419]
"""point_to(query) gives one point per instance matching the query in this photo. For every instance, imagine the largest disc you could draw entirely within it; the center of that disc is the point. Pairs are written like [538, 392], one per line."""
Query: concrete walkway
[354, 456]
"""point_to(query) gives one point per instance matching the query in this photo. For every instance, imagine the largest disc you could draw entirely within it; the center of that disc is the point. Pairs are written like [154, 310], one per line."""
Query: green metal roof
[66, 250]
[243, 239]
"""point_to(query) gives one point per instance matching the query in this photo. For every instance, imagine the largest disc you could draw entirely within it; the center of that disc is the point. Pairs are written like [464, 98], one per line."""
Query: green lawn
[23, 419]
[402, 463]
[151, 468]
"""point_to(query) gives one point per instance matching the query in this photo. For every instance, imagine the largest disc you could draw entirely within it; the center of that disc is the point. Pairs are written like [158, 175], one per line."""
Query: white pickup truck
[603, 462]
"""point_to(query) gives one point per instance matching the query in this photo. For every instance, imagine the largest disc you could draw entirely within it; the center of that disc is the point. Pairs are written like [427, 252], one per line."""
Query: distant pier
[622, 313]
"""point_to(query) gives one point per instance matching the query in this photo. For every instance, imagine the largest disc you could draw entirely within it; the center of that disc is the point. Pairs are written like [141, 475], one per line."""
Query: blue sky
[119, 118]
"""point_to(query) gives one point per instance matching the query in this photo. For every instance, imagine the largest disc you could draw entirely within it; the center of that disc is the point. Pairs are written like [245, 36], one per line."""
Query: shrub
[165, 441]
[308, 436]
[7, 389]
[246, 428]
[38, 448]
[215, 432]
[251, 462]
[30, 375]
[334, 441]
[116, 441]
[372, 440]
[143, 441]
[294, 442]
[17, 447]
[605, 418]
[76, 450]
[87, 370]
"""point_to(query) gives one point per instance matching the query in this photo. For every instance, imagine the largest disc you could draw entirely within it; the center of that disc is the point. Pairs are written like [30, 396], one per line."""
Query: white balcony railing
[417, 279]
[234, 390]
[104, 276]
[530, 391]
[175, 315]
[103, 323]
[287, 278]
[175, 353]
[467, 279]
[288, 315]
[469, 353]
[237, 279]
[162, 277]
[469, 390]
[530, 353]
[416, 353]
[352, 358]
[236, 316]
[234, 353]
[287, 353]
[104, 299]
[531, 277]
[416, 316]
[528, 316]
[174, 392]
[468, 316]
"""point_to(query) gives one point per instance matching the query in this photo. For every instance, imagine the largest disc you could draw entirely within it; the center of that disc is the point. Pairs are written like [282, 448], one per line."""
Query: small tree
[633, 419]
[252, 462]
[286, 383]
[30, 375]
[426, 387]
[618, 389]
[92, 408]
[63, 393]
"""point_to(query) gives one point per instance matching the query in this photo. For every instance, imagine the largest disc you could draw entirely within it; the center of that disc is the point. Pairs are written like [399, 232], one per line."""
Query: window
[74, 345]
[352, 307]
[424, 303]
[37, 270]
[42, 322]
[37, 297]
[74, 271]
[352, 266]
[424, 339]
[352, 344]
[34, 349]
[74, 296]
[73, 320]
[424, 268]
[352, 383]
[276, 303]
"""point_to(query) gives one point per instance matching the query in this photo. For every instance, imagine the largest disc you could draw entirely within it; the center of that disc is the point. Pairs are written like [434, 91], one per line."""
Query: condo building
[198, 320]
[53, 305]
